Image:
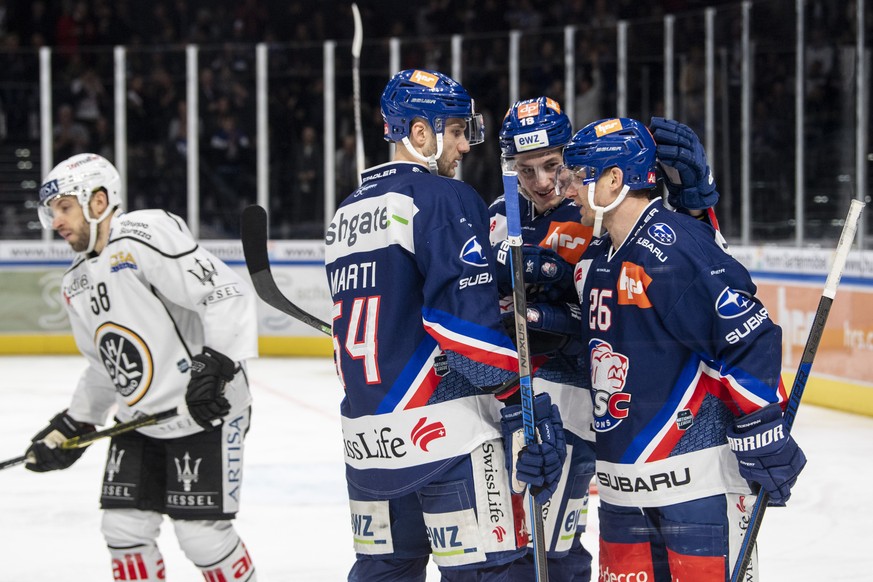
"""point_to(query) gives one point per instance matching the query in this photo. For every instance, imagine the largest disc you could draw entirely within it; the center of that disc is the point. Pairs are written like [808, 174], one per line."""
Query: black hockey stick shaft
[254, 241]
[86, 439]
[803, 370]
[12, 462]
[525, 374]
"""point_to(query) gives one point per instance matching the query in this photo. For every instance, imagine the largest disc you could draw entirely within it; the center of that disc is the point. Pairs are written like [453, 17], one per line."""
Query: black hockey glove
[210, 371]
[46, 454]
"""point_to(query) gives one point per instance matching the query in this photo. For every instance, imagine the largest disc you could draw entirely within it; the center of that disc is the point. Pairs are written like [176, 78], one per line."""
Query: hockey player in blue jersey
[532, 136]
[684, 367]
[420, 351]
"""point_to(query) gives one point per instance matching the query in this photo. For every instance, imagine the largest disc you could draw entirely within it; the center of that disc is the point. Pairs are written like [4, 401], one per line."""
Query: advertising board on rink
[790, 282]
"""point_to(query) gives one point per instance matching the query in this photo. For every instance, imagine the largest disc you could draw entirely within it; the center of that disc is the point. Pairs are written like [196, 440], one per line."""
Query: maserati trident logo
[207, 273]
[185, 475]
[113, 465]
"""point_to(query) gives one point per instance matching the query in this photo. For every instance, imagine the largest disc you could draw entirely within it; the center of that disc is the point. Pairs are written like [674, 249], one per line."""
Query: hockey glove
[46, 454]
[547, 276]
[538, 464]
[689, 180]
[767, 454]
[210, 371]
[551, 328]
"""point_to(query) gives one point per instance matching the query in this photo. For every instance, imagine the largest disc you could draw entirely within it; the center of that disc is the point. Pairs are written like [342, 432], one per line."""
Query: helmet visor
[475, 130]
[574, 178]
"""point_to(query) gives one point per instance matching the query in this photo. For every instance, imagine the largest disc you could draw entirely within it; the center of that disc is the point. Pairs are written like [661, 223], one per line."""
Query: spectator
[307, 185]
[70, 136]
[346, 167]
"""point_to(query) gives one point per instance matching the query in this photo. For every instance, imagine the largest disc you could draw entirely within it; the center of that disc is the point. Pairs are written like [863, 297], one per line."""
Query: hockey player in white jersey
[162, 323]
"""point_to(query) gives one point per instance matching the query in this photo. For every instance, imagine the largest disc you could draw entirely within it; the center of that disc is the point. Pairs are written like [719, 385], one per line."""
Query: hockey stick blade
[86, 439]
[254, 241]
[841, 253]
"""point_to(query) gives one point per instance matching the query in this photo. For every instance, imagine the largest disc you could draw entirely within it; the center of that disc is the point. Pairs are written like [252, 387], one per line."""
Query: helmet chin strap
[599, 211]
[429, 161]
[93, 223]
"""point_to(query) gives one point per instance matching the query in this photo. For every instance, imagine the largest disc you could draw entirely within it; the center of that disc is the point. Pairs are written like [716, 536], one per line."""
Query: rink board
[33, 321]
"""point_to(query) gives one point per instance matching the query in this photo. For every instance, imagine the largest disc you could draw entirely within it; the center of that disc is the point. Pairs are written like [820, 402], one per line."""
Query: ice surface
[295, 518]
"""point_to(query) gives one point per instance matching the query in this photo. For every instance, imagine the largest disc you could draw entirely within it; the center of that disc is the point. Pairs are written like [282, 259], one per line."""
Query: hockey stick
[513, 236]
[821, 316]
[12, 462]
[357, 41]
[254, 241]
[86, 439]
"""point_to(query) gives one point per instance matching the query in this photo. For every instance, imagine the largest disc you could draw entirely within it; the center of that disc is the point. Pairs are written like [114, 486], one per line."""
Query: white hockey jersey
[141, 309]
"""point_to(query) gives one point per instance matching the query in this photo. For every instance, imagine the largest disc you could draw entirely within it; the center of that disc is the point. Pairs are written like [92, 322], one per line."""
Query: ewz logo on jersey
[363, 530]
[608, 376]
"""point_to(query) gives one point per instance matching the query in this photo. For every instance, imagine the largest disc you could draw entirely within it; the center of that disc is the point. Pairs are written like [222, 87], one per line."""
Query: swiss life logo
[423, 433]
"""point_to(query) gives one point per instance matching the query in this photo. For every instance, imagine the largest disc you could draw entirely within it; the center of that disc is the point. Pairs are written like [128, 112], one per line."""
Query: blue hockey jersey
[560, 230]
[678, 345]
[415, 325]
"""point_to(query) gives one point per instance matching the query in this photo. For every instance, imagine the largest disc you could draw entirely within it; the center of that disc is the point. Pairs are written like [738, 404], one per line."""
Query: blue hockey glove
[546, 274]
[767, 454]
[538, 464]
[210, 371]
[689, 180]
[551, 327]
[46, 454]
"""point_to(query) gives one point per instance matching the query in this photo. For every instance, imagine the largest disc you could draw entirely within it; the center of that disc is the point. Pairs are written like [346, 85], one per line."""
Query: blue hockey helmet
[618, 142]
[621, 142]
[534, 124]
[431, 95]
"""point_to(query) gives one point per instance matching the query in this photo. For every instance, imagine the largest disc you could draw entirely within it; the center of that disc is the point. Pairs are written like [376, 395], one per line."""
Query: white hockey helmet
[81, 176]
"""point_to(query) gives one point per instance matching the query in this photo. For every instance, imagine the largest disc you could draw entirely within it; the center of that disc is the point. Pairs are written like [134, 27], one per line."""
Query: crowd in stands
[82, 32]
